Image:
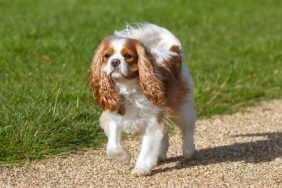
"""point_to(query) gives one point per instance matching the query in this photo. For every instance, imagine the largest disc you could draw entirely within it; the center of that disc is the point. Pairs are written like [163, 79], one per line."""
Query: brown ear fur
[102, 86]
[150, 82]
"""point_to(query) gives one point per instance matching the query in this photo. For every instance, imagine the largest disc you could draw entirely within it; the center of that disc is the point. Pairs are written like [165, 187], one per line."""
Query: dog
[140, 81]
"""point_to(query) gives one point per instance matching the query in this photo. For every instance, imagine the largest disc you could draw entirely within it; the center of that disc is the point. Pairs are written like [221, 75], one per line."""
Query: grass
[233, 49]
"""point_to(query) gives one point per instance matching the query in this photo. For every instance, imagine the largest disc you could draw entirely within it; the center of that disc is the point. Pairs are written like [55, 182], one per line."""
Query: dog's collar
[121, 109]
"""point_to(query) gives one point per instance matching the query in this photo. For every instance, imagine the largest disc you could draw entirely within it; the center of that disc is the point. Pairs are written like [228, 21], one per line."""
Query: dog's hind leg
[164, 147]
[186, 121]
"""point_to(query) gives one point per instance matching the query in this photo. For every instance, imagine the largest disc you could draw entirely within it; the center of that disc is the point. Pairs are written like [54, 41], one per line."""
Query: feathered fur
[152, 86]
[102, 86]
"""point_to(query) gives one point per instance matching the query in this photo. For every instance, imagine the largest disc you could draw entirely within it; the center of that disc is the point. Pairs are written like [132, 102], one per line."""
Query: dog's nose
[115, 62]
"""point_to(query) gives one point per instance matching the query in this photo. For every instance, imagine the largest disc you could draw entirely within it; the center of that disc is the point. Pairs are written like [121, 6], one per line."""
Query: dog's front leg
[113, 131]
[150, 148]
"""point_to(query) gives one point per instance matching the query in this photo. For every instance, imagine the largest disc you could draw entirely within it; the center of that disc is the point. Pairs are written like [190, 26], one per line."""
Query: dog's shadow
[249, 152]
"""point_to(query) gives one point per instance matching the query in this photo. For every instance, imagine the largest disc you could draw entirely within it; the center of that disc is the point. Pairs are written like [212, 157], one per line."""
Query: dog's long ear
[150, 81]
[102, 85]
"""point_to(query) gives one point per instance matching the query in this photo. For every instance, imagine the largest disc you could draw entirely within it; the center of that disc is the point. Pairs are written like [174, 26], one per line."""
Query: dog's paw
[140, 172]
[188, 154]
[119, 154]
[162, 158]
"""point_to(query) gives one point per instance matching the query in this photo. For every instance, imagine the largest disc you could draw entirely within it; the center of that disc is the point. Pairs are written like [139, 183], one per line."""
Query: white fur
[153, 36]
[141, 115]
[138, 108]
[150, 149]
[157, 39]
[114, 147]
[162, 55]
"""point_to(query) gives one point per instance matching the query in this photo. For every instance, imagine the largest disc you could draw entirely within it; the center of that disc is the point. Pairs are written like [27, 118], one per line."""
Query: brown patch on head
[108, 52]
[131, 58]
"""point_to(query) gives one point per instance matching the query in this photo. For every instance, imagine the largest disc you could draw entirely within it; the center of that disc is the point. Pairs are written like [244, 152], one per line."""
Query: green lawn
[233, 49]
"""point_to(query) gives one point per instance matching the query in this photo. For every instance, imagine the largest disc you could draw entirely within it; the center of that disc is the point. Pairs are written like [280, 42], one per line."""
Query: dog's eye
[128, 57]
[107, 55]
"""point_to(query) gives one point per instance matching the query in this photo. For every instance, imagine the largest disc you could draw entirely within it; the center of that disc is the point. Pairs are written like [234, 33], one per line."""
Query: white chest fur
[139, 111]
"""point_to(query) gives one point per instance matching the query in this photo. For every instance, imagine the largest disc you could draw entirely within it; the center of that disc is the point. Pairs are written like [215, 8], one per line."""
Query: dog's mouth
[117, 74]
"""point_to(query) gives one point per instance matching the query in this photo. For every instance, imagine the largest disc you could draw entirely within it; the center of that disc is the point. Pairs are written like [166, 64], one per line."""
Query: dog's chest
[138, 113]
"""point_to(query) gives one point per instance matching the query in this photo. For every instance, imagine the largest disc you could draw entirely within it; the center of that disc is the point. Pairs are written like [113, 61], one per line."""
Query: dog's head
[117, 59]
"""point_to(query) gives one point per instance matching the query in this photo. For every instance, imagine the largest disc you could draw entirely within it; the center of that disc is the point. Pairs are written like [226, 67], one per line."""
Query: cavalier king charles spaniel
[140, 81]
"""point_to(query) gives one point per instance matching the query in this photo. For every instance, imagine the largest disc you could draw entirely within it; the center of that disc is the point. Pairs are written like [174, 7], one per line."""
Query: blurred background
[232, 48]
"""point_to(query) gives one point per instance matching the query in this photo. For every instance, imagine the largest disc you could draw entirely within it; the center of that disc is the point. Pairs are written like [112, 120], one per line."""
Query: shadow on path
[249, 152]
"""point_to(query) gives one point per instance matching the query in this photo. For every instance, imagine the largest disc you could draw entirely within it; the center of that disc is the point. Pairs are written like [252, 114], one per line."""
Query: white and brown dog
[139, 79]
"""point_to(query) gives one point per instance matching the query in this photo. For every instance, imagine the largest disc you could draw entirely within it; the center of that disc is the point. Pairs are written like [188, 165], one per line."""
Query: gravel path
[239, 150]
